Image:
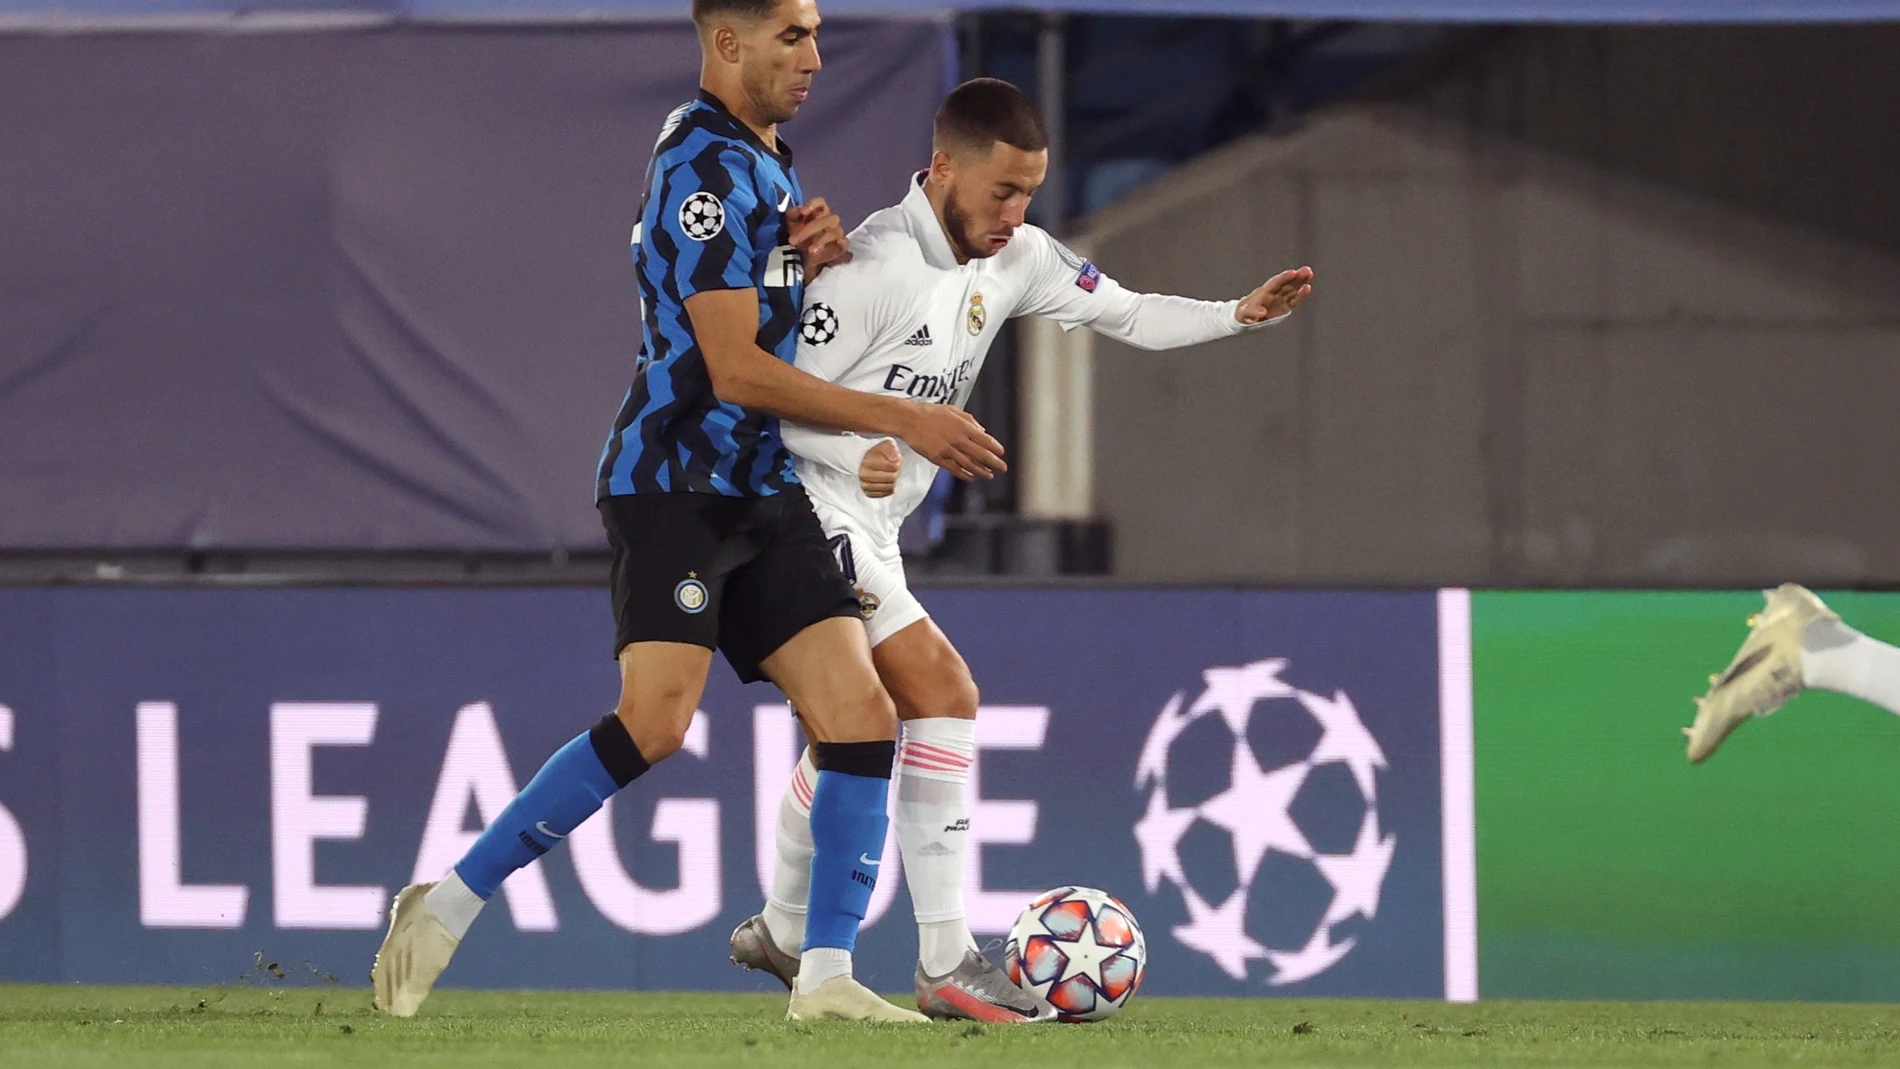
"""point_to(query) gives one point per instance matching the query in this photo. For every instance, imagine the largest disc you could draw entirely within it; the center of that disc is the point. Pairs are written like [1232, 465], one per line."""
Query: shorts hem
[886, 622]
[750, 671]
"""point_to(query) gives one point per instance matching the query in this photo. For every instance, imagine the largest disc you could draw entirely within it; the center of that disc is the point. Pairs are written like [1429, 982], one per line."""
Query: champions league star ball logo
[819, 324]
[1279, 757]
[702, 217]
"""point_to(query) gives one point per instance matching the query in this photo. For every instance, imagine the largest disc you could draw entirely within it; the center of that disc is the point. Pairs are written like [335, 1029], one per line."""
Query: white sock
[1836, 657]
[791, 877]
[819, 964]
[933, 828]
[453, 904]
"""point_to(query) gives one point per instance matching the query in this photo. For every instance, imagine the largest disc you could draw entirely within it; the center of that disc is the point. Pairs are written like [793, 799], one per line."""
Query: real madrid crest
[978, 318]
[868, 603]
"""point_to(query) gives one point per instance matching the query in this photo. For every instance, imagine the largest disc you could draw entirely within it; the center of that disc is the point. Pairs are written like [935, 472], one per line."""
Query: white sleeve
[847, 313]
[1074, 292]
[842, 450]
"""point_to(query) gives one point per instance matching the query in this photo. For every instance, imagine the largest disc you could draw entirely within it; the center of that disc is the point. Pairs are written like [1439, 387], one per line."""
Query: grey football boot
[752, 947]
[977, 990]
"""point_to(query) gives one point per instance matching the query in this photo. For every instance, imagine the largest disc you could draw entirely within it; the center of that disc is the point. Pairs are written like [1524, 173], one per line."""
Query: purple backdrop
[188, 777]
[363, 289]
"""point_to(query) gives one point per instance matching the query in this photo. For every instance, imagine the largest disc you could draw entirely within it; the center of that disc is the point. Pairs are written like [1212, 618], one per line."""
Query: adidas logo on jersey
[921, 337]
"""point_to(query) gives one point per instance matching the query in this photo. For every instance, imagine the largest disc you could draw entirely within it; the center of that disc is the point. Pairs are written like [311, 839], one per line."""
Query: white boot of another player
[413, 954]
[1766, 671]
[842, 998]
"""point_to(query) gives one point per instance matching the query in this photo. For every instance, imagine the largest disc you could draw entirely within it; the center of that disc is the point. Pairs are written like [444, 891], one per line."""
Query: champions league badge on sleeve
[702, 216]
[819, 325]
[1090, 277]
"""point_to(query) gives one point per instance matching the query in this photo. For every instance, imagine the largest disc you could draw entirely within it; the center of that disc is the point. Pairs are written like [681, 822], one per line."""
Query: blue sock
[568, 789]
[848, 822]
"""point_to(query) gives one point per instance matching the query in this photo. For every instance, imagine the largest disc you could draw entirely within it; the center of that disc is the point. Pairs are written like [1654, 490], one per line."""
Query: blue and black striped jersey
[712, 217]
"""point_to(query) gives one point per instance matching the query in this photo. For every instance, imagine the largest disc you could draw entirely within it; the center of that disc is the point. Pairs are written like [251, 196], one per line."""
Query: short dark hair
[983, 111]
[705, 11]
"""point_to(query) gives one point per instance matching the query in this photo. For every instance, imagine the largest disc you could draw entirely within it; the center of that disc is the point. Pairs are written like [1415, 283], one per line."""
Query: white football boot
[413, 954]
[1765, 673]
[842, 998]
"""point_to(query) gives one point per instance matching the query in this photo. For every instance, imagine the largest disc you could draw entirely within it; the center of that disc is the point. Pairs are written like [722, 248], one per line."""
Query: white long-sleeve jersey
[904, 318]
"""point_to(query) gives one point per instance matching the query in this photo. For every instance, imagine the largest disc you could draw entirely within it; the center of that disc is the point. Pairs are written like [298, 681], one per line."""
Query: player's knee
[955, 697]
[659, 742]
[879, 708]
[656, 725]
[966, 698]
[870, 711]
[850, 710]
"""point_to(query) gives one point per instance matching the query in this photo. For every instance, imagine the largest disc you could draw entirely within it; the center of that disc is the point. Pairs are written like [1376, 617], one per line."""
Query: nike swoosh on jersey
[865, 860]
[784, 202]
[542, 827]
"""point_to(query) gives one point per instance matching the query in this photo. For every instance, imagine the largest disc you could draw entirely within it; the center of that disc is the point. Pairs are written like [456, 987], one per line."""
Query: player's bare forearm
[726, 325]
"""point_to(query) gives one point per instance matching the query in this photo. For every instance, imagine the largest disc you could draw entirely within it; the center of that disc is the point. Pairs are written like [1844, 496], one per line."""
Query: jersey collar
[924, 224]
[783, 152]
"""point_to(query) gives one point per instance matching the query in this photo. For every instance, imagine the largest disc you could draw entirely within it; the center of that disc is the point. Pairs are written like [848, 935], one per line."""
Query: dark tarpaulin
[1562, 11]
[355, 289]
[1368, 10]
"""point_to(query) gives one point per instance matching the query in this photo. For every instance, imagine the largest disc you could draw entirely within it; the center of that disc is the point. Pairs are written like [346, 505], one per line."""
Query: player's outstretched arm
[1162, 321]
[1074, 292]
[726, 324]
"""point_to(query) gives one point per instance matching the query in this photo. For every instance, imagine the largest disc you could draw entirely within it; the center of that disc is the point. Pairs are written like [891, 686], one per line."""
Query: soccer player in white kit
[913, 313]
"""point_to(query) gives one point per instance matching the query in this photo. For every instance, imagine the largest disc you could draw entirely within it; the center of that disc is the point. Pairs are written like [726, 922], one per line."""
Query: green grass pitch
[250, 1026]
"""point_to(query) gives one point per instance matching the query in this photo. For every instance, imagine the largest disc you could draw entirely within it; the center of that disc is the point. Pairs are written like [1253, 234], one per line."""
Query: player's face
[986, 197]
[777, 58]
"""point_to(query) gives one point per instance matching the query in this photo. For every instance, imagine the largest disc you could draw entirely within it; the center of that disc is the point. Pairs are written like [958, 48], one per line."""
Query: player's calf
[848, 825]
[660, 684]
[826, 671]
[783, 918]
[938, 700]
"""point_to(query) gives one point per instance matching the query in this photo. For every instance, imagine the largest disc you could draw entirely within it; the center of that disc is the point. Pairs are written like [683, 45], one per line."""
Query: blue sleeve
[702, 226]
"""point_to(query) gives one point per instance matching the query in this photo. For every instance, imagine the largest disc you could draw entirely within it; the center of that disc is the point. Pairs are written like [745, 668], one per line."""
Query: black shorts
[737, 574]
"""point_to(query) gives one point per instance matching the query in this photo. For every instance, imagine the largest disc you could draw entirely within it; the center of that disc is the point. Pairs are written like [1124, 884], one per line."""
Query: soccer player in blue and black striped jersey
[715, 546]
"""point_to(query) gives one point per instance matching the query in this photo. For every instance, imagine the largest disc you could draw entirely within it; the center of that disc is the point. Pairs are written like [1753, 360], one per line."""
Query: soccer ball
[1078, 949]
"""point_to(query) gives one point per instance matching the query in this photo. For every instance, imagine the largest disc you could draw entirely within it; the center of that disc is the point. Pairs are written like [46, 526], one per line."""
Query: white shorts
[876, 571]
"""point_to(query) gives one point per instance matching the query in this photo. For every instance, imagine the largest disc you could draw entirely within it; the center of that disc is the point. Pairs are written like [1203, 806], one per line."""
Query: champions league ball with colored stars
[1079, 950]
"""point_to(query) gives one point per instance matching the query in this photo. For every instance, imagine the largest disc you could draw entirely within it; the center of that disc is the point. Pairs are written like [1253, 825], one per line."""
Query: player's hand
[953, 440]
[877, 474]
[818, 235]
[1280, 295]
